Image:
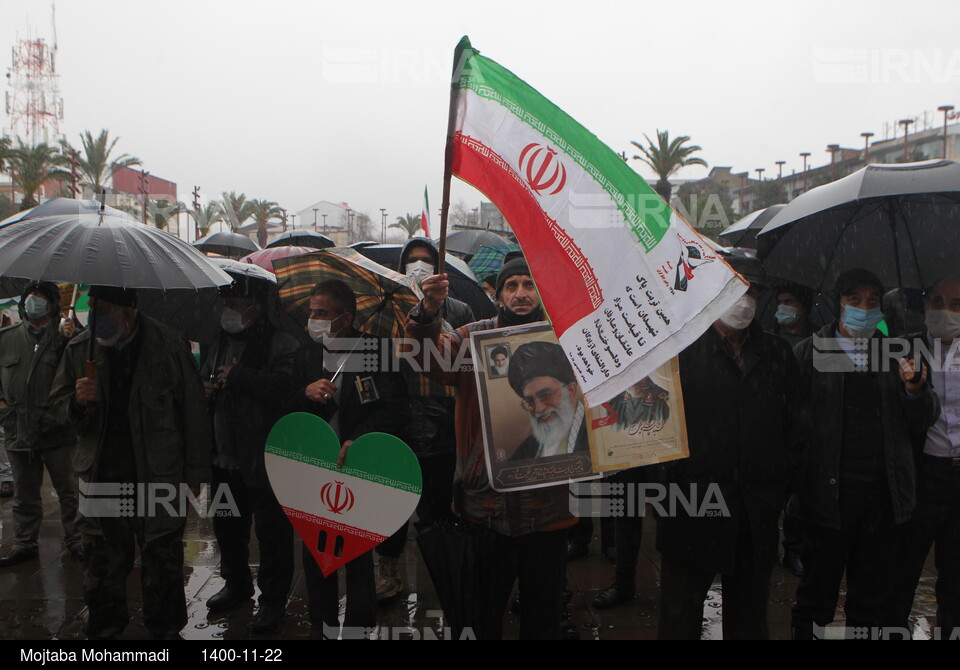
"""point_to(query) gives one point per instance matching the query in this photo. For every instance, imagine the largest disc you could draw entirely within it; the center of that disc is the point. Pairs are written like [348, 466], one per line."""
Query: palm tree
[94, 161]
[160, 212]
[4, 151]
[666, 158]
[262, 211]
[32, 166]
[236, 209]
[211, 213]
[410, 224]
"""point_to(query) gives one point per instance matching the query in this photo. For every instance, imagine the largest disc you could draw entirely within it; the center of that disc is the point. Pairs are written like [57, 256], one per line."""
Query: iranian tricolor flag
[626, 282]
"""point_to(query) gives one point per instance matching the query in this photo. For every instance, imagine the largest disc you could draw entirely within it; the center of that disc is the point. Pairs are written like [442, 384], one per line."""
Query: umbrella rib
[913, 250]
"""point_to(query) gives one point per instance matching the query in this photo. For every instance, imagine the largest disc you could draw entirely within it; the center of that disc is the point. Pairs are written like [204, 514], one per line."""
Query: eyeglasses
[546, 396]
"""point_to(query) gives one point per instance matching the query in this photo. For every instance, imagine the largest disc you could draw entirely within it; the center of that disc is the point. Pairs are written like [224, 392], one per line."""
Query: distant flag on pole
[626, 282]
[425, 215]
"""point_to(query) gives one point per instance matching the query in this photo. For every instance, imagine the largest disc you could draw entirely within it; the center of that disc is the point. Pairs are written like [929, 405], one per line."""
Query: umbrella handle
[90, 369]
[918, 365]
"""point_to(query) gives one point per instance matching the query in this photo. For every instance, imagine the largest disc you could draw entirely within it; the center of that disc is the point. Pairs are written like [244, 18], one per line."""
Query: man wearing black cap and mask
[528, 528]
[29, 355]
[249, 370]
[542, 376]
[142, 425]
[857, 480]
[738, 385]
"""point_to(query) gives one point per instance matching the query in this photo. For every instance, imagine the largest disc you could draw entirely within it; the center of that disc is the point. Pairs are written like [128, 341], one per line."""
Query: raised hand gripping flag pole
[627, 283]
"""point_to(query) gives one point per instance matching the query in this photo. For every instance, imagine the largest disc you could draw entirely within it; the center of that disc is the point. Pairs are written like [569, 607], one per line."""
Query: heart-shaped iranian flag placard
[340, 514]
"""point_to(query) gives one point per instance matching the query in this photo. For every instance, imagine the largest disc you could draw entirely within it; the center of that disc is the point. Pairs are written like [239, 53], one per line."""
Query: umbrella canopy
[199, 318]
[55, 207]
[743, 232]
[226, 244]
[468, 242]
[899, 221]
[265, 257]
[106, 247]
[489, 260]
[301, 238]
[383, 296]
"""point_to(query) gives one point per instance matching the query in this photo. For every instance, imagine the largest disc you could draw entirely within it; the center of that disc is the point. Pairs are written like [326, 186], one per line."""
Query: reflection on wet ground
[43, 599]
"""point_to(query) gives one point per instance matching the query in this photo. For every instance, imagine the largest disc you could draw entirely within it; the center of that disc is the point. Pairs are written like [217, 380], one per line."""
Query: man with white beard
[541, 375]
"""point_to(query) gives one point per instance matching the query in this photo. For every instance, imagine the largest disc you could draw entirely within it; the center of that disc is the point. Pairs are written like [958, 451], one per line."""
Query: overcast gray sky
[298, 101]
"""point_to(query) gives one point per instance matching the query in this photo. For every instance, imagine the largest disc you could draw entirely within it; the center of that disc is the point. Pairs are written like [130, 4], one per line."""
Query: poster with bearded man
[534, 416]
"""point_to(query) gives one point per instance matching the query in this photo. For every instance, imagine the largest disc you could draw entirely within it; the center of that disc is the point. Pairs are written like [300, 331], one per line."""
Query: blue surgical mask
[861, 322]
[107, 334]
[786, 315]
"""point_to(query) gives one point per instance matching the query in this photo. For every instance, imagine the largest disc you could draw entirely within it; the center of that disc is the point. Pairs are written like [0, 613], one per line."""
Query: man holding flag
[527, 536]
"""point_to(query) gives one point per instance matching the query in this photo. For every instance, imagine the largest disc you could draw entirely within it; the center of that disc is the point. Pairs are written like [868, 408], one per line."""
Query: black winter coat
[903, 420]
[740, 423]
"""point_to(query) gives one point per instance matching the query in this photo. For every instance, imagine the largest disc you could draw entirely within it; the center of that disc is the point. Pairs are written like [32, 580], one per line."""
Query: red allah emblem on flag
[542, 170]
[337, 497]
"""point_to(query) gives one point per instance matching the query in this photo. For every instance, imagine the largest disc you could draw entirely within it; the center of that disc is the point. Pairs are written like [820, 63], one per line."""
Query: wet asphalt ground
[43, 599]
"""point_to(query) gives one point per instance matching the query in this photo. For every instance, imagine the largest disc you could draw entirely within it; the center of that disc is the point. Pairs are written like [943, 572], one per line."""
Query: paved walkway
[43, 599]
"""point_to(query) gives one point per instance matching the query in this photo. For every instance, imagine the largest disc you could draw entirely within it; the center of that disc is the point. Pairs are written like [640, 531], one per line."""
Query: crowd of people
[861, 460]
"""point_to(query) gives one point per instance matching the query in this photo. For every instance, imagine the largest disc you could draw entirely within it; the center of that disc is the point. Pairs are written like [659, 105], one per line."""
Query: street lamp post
[946, 109]
[805, 155]
[383, 225]
[866, 145]
[833, 149]
[315, 210]
[780, 191]
[906, 130]
[760, 172]
[293, 221]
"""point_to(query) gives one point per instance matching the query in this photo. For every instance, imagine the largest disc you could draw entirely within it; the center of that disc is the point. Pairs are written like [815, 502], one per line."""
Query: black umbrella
[199, 318]
[107, 247]
[743, 232]
[899, 221]
[468, 242]
[233, 245]
[301, 238]
[55, 207]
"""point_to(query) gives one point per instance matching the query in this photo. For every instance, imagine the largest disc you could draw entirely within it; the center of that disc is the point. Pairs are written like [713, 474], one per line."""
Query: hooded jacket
[454, 312]
[27, 368]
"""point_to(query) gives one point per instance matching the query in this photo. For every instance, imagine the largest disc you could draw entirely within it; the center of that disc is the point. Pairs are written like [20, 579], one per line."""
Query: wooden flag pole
[459, 59]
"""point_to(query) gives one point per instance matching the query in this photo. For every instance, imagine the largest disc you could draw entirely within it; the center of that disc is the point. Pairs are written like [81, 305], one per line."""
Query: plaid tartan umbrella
[489, 260]
[384, 297]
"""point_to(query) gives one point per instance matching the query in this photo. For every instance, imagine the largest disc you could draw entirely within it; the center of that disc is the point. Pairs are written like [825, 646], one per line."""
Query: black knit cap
[538, 359]
[850, 279]
[515, 266]
[122, 297]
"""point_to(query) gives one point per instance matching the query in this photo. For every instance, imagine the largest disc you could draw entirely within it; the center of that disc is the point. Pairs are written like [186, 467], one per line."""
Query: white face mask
[943, 324]
[36, 306]
[419, 270]
[231, 320]
[321, 329]
[740, 314]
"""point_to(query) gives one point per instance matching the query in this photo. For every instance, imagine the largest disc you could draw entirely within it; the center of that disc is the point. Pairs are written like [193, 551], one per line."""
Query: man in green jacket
[29, 355]
[144, 439]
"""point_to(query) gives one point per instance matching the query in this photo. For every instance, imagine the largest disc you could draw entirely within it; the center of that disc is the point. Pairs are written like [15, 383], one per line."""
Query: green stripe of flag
[626, 188]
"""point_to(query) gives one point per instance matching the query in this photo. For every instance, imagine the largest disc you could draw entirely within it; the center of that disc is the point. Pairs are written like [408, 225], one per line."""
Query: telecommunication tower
[33, 100]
